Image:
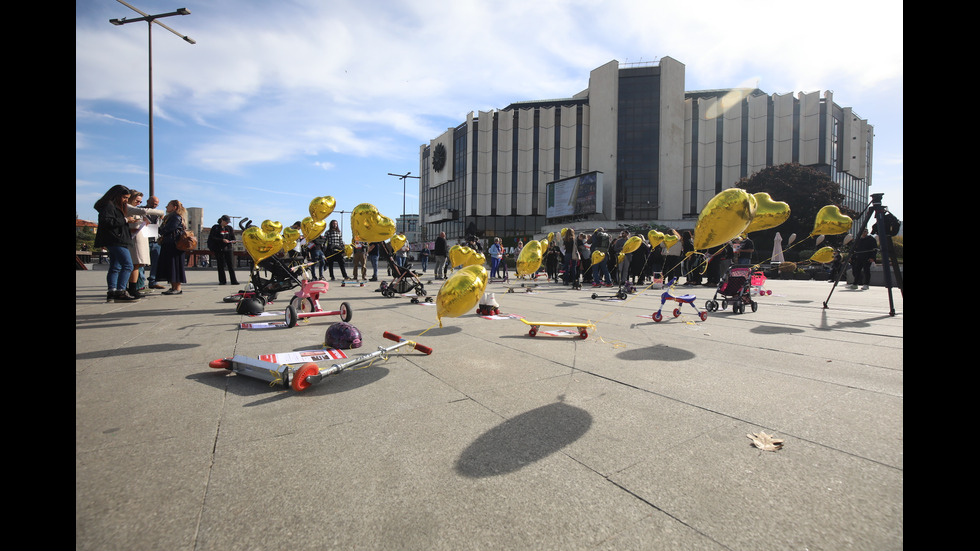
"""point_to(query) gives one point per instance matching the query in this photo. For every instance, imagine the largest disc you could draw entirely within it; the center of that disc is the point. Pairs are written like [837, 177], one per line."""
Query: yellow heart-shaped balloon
[669, 240]
[312, 228]
[545, 243]
[598, 256]
[529, 260]
[397, 242]
[551, 237]
[348, 250]
[321, 207]
[290, 236]
[461, 292]
[261, 244]
[368, 224]
[725, 216]
[458, 255]
[824, 255]
[655, 237]
[768, 213]
[632, 244]
[830, 221]
[269, 226]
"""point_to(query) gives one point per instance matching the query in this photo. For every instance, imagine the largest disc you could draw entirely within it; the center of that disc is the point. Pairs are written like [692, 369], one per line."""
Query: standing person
[335, 249]
[113, 234]
[154, 221]
[571, 256]
[139, 246]
[360, 250]
[221, 241]
[424, 256]
[401, 256]
[496, 255]
[600, 270]
[374, 254]
[317, 256]
[638, 262]
[552, 259]
[585, 258]
[623, 266]
[172, 261]
[672, 259]
[440, 251]
[743, 255]
[691, 263]
[865, 252]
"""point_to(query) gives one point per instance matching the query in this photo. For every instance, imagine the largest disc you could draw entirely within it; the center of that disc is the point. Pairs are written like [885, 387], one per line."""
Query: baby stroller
[405, 281]
[282, 278]
[735, 289]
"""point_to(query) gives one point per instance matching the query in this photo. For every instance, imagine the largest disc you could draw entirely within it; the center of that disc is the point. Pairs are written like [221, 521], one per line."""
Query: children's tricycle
[682, 299]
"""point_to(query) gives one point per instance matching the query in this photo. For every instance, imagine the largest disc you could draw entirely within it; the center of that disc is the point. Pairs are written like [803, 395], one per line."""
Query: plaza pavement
[634, 438]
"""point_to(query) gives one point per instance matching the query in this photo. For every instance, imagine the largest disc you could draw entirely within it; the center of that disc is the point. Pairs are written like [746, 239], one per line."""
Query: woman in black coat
[172, 261]
[113, 234]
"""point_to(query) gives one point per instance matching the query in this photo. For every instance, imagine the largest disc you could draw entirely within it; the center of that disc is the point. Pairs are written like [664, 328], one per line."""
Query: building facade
[633, 148]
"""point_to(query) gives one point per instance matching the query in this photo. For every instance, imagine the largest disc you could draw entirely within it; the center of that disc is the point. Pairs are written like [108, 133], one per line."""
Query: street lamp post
[150, 20]
[404, 177]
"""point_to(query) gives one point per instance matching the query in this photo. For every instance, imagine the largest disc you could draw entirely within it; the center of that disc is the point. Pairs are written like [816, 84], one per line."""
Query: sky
[279, 103]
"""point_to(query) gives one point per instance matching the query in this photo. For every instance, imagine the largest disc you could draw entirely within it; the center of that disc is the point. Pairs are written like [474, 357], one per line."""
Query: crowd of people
[141, 242]
[126, 232]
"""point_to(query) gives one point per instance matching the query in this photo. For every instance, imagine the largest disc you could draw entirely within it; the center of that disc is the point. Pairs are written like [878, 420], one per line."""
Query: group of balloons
[458, 295]
[367, 224]
[729, 214]
[734, 212]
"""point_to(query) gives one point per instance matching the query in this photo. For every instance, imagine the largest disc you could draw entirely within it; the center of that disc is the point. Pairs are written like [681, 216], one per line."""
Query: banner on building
[578, 195]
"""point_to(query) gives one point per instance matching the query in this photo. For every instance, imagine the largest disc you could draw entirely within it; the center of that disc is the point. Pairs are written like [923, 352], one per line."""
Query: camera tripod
[888, 258]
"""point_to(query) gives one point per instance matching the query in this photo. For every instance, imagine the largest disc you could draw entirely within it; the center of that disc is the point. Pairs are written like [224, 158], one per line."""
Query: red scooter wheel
[299, 382]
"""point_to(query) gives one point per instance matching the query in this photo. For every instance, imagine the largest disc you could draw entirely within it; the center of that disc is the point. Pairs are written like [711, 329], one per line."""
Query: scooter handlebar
[421, 348]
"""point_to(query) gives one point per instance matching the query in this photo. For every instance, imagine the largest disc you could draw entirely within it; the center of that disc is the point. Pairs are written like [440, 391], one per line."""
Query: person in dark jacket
[113, 234]
[172, 259]
[220, 242]
[865, 251]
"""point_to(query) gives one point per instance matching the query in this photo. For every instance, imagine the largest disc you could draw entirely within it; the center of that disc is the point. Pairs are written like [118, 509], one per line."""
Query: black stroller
[405, 281]
[735, 289]
[282, 278]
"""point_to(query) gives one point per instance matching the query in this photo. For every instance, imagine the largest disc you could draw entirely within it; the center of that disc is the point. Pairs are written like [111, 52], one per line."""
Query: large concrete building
[634, 147]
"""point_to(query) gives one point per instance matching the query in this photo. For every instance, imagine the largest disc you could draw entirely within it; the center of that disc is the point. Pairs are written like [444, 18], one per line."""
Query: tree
[804, 189]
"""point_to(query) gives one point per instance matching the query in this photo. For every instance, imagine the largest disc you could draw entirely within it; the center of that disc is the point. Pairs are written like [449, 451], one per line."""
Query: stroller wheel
[755, 306]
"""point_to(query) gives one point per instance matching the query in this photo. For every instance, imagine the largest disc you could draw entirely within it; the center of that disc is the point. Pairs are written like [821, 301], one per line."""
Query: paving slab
[633, 438]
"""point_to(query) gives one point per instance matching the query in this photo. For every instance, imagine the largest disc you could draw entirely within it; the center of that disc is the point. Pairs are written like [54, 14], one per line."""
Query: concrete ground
[634, 438]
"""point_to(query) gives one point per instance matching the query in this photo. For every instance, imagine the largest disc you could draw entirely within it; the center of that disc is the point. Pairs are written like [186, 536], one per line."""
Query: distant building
[408, 224]
[632, 148]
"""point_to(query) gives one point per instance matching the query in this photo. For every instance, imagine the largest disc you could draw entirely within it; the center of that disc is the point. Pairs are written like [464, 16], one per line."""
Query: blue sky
[281, 102]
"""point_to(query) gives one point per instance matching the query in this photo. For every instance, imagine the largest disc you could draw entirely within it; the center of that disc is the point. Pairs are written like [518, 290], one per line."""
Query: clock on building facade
[439, 157]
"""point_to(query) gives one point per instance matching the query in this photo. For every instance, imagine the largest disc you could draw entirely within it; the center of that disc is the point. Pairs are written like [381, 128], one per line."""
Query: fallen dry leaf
[765, 441]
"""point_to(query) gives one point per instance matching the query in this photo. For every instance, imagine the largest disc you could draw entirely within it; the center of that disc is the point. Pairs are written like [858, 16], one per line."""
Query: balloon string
[427, 330]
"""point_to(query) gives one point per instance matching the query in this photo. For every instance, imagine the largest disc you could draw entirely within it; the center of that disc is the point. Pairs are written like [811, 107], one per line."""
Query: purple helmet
[342, 335]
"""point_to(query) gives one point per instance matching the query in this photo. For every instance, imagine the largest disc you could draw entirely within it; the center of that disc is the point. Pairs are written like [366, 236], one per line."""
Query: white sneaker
[865, 288]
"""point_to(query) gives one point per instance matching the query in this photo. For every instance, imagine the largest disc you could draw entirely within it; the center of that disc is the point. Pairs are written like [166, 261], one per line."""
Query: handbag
[186, 241]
